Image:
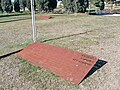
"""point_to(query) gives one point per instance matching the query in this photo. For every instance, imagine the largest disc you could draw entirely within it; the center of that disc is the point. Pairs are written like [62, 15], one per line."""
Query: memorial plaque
[44, 17]
[70, 65]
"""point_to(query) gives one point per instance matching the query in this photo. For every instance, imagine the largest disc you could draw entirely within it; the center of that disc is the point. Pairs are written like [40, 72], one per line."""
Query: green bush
[1, 10]
[75, 5]
[100, 4]
[7, 6]
[16, 6]
[46, 5]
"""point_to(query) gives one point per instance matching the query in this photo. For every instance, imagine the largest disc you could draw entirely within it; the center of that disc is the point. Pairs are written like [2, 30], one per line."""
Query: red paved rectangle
[68, 64]
[44, 17]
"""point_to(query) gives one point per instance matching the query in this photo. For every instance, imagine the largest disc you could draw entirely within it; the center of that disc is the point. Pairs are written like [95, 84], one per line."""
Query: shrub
[8, 7]
[16, 6]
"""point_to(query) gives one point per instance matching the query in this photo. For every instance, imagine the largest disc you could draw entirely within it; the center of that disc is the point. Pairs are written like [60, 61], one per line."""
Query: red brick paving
[70, 65]
[44, 17]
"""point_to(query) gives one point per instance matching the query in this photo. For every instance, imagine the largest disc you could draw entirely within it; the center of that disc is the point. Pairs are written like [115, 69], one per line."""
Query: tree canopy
[16, 6]
[71, 6]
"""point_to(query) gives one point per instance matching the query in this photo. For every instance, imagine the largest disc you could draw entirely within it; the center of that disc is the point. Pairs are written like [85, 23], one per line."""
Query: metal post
[33, 21]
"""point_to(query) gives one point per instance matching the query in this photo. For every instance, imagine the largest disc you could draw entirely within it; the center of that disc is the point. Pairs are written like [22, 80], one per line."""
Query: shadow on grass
[8, 54]
[65, 36]
[14, 20]
[11, 53]
[9, 15]
[97, 66]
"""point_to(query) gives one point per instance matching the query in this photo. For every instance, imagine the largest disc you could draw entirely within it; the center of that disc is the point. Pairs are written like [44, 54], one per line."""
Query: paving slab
[70, 65]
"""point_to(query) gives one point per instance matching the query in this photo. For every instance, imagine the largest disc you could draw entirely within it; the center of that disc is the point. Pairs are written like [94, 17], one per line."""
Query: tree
[16, 6]
[100, 4]
[72, 6]
[29, 5]
[1, 10]
[8, 6]
[52, 4]
[23, 4]
[26, 3]
[46, 5]
[40, 5]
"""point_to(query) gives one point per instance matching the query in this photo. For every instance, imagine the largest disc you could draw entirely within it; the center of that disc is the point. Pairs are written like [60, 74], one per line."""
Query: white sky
[12, 0]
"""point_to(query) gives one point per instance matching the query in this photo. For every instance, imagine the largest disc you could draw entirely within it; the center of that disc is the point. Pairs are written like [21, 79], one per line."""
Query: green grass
[103, 35]
[14, 18]
[30, 66]
[62, 31]
[29, 70]
[36, 74]
[9, 17]
[14, 14]
[32, 72]
[76, 43]
[15, 46]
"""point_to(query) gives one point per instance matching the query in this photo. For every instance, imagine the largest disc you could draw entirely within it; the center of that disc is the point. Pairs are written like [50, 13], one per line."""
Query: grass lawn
[75, 32]
[14, 18]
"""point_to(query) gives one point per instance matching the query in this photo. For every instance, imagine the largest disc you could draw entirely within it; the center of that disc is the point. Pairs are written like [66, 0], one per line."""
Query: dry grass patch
[63, 31]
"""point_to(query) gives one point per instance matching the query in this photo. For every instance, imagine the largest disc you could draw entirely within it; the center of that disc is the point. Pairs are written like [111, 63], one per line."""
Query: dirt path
[102, 41]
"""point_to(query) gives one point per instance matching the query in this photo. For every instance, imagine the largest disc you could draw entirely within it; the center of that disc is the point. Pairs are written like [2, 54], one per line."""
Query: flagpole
[33, 21]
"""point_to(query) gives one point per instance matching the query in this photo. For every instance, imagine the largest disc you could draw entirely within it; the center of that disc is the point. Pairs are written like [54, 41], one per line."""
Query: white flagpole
[33, 21]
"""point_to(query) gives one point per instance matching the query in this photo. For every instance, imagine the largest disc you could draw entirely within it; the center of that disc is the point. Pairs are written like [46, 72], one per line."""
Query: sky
[12, 0]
